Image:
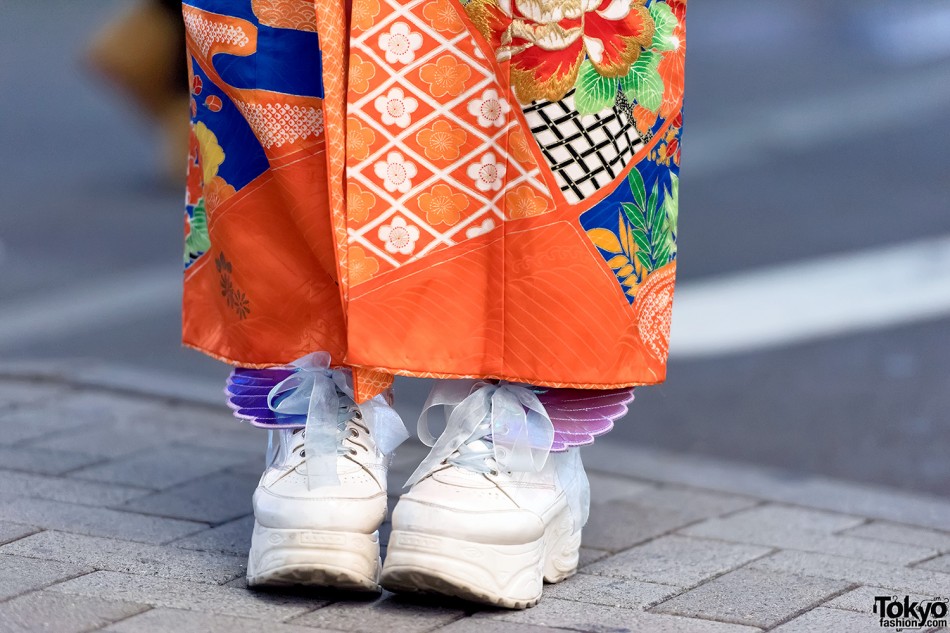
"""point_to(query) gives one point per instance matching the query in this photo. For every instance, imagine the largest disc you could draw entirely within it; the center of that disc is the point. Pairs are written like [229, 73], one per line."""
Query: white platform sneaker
[470, 528]
[326, 535]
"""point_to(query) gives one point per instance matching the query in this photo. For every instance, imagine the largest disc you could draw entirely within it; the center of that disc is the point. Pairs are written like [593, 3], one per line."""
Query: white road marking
[813, 122]
[93, 305]
[820, 298]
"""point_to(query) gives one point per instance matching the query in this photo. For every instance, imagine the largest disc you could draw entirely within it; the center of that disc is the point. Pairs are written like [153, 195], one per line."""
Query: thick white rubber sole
[510, 576]
[347, 561]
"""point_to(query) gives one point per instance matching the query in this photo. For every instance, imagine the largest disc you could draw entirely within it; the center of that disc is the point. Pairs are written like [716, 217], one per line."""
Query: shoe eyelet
[352, 451]
[303, 453]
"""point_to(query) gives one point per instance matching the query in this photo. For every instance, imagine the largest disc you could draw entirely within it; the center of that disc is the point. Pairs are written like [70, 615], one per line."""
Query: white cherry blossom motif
[488, 174]
[399, 237]
[396, 108]
[489, 108]
[481, 229]
[400, 44]
[396, 172]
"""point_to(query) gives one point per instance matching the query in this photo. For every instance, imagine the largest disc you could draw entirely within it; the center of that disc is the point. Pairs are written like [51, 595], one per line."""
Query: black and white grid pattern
[584, 152]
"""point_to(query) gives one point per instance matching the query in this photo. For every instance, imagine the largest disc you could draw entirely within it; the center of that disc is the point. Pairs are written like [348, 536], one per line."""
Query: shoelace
[349, 413]
[343, 434]
[477, 453]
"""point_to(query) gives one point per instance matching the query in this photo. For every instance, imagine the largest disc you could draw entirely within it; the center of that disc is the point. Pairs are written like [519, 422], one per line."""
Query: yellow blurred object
[142, 53]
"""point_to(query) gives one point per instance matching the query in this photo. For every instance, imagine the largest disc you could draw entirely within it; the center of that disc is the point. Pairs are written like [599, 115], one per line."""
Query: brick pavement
[131, 513]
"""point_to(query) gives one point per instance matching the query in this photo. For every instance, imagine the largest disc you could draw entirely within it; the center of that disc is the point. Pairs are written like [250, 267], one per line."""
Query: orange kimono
[436, 188]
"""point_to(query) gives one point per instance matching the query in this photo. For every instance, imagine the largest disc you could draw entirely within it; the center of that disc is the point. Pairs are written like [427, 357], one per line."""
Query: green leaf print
[662, 251]
[594, 93]
[639, 224]
[197, 241]
[665, 24]
[654, 210]
[637, 187]
[671, 209]
[643, 83]
[652, 222]
[645, 260]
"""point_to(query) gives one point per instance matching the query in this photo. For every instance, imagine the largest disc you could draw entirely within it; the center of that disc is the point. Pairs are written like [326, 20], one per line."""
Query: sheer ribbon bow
[521, 431]
[314, 390]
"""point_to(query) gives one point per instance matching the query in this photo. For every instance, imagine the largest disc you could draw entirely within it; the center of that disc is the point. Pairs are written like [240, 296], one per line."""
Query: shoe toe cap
[353, 506]
[478, 515]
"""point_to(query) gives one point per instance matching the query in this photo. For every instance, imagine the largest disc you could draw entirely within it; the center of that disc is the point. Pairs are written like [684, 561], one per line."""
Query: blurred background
[812, 319]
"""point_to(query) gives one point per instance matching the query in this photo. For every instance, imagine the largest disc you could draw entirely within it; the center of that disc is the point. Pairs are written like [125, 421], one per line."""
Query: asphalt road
[812, 129]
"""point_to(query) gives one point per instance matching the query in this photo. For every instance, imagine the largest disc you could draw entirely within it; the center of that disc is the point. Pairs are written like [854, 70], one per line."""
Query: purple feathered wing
[247, 391]
[580, 415]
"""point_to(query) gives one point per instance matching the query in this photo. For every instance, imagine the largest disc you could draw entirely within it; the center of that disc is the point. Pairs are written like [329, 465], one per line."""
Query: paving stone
[39, 422]
[238, 583]
[772, 517]
[397, 479]
[188, 595]
[899, 506]
[941, 563]
[806, 530]
[216, 418]
[131, 411]
[239, 437]
[129, 557]
[182, 421]
[43, 461]
[16, 393]
[164, 620]
[163, 467]
[108, 441]
[78, 519]
[68, 490]
[857, 571]
[614, 527]
[589, 555]
[251, 467]
[752, 597]
[606, 488]
[677, 560]
[862, 599]
[409, 454]
[612, 592]
[693, 503]
[50, 612]
[822, 619]
[481, 625]
[619, 525]
[389, 613]
[13, 531]
[884, 531]
[214, 499]
[233, 537]
[19, 575]
[556, 613]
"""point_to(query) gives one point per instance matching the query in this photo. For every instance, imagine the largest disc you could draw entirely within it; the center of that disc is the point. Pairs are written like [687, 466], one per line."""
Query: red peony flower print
[546, 41]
